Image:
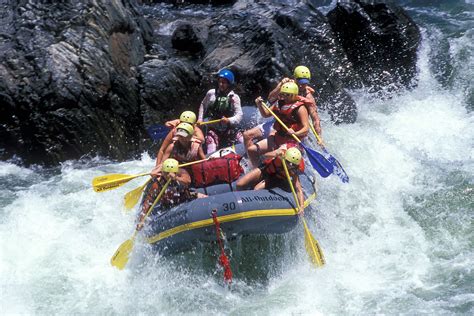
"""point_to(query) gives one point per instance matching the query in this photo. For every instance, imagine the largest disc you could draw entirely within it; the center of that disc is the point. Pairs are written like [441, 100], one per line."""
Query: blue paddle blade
[338, 169]
[319, 162]
[157, 132]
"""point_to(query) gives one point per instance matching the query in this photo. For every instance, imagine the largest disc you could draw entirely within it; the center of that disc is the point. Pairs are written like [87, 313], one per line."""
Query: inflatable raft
[251, 212]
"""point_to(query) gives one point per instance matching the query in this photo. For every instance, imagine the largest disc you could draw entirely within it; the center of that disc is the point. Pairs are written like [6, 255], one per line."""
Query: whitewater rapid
[398, 238]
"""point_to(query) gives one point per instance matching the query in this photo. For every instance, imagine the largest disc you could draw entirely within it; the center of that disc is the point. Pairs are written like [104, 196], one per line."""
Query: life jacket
[274, 168]
[222, 106]
[175, 194]
[288, 114]
[225, 169]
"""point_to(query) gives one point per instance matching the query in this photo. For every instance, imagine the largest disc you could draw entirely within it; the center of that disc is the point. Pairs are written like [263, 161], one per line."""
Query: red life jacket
[274, 167]
[288, 114]
[174, 195]
[216, 171]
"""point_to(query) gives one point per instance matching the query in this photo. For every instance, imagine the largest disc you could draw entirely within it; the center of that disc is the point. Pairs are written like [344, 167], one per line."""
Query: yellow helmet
[184, 129]
[302, 72]
[188, 117]
[293, 155]
[170, 165]
[290, 88]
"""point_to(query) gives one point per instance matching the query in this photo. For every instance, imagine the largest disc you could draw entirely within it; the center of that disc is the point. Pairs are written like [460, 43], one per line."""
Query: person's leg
[251, 134]
[249, 180]
[256, 150]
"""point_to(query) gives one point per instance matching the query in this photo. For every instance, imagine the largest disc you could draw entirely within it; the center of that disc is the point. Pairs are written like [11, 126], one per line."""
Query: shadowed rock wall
[89, 77]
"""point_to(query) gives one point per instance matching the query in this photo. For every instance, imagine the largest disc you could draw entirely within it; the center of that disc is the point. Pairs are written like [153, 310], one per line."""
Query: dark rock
[87, 78]
[71, 73]
[380, 39]
[188, 38]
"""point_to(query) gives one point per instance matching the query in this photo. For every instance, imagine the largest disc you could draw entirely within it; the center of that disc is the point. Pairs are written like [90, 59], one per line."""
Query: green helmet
[188, 117]
[290, 88]
[302, 72]
[184, 129]
[170, 165]
[293, 155]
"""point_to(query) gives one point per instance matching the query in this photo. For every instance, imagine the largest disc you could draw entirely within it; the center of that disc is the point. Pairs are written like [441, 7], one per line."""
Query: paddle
[337, 167]
[311, 244]
[209, 122]
[157, 132]
[120, 257]
[318, 161]
[131, 198]
[114, 180]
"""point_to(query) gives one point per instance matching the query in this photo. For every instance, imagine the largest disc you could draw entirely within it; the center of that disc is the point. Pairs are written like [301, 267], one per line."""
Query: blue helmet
[227, 74]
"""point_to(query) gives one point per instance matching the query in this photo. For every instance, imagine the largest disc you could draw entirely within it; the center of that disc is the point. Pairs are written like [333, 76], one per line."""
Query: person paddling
[222, 103]
[181, 147]
[271, 173]
[177, 191]
[197, 135]
[302, 77]
[291, 109]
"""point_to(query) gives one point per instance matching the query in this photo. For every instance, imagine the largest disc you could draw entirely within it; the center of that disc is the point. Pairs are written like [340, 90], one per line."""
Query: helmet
[170, 165]
[302, 72]
[184, 129]
[293, 155]
[188, 117]
[289, 87]
[227, 74]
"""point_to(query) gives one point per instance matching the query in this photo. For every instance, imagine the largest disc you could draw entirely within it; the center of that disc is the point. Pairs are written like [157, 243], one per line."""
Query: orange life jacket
[288, 114]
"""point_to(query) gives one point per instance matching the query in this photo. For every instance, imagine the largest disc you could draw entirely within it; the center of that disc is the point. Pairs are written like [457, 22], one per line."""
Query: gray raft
[240, 213]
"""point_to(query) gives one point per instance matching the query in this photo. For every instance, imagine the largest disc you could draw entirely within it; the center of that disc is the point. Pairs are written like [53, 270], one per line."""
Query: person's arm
[313, 110]
[164, 146]
[263, 111]
[204, 104]
[198, 133]
[183, 177]
[304, 119]
[279, 152]
[172, 123]
[299, 193]
[201, 154]
[273, 95]
[238, 114]
[156, 172]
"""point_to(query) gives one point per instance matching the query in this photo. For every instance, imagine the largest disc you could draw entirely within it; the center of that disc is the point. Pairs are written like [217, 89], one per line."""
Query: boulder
[380, 40]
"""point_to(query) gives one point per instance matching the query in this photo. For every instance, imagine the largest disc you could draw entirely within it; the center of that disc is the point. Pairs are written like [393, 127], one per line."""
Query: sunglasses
[180, 129]
[286, 94]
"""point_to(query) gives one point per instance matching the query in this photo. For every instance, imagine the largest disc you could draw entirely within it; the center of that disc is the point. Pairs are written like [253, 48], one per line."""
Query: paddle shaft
[106, 185]
[316, 253]
[290, 182]
[317, 136]
[120, 257]
[210, 122]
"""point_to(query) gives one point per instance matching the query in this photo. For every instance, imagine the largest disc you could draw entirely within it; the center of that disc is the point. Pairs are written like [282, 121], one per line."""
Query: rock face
[380, 40]
[68, 80]
[79, 78]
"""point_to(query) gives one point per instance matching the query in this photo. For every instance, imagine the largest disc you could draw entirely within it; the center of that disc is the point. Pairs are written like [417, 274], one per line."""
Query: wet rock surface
[88, 78]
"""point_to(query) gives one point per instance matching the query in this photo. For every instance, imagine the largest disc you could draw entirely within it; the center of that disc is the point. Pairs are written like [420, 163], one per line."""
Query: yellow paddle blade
[312, 247]
[131, 198]
[112, 181]
[120, 257]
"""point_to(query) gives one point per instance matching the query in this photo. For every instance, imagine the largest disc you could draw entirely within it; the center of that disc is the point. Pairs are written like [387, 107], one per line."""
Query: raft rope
[223, 259]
